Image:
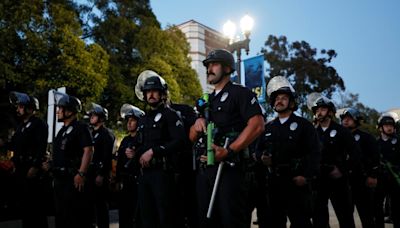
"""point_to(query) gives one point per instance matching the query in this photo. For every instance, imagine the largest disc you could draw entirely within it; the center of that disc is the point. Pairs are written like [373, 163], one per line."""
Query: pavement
[114, 221]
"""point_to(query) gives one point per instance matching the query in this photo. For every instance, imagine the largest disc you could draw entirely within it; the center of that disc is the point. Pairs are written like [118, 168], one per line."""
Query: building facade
[202, 40]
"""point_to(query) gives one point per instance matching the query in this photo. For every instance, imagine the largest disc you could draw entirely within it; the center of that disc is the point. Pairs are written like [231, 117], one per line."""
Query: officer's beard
[321, 118]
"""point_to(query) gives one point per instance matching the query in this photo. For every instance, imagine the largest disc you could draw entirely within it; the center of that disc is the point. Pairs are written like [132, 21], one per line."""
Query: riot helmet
[150, 80]
[280, 85]
[98, 110]
[68, 102]
[129, 111]
[320, 101]
[17, 98]
[352, 113]
[388, 118]
[220, 56]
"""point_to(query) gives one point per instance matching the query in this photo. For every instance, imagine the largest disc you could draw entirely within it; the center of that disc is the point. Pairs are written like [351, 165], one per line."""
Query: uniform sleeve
[373, 159]
[312, 149]
[108, 145]
[248, 104]
[176, 134]
[85, 137]
[40, 135]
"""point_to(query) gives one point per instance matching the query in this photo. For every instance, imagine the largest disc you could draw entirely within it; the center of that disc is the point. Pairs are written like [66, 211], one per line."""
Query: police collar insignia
[268, 134]
[394, 141]
[333, 133]
[157, 117]
[96, 135]
[293, 126]
[224, 96]
[178, 123]
[357, 137]
[28, 124]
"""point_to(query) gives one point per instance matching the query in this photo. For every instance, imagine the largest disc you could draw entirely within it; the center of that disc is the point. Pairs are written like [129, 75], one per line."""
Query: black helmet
[68, 102]
[323, 102]
[98, 111]
[17, 98]
[155, 83]
[388, 118]
[221, 56]
[353, 113]
[127, 111]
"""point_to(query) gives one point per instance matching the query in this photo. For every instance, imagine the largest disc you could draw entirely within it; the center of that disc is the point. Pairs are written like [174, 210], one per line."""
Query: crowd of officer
[207, 166]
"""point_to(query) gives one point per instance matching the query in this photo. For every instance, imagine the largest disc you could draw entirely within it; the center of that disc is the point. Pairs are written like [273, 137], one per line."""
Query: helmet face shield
[388, 118]
[17, 98]
[68, 102]
[279, 85]
[316, 100]
[97, 110]
[127, 111]
[148, 80]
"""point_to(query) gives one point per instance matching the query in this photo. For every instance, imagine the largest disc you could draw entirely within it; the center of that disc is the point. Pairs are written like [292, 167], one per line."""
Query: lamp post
[229, 29]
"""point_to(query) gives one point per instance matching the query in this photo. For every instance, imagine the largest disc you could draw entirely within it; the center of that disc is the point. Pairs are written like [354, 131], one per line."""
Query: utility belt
[160, 163]
[287, 170]
[64, 172]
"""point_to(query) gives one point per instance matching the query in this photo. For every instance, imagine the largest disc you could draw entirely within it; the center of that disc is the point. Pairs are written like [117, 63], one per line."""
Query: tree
[306, 68]
[131, 35]
[41, 49]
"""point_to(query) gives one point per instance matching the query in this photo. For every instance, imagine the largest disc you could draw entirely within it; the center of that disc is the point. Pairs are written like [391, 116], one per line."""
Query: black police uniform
[162, 131]
[389, 180]
[101, 166]
[256, 179]
[338, 149]
[362, 195]
[29, 145]
[230, 111]
[127, 172]
[72, 207]
[294, 149]
[185, 176]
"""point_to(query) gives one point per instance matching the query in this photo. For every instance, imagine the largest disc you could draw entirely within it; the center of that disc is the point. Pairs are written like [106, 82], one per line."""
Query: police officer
[100, 167]
[72, 154]
[29, 144]
[236, 114]
[185, 175]
[127, 169]
[389, 179]
[162, 134]
[291, 153]
[339, 152]
[364, 180]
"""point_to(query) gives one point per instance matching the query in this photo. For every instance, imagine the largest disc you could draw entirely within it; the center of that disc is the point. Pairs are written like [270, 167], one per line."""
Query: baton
[215, 188]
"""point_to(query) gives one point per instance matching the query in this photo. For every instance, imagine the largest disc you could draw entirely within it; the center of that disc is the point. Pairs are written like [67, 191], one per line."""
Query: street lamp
[229, 29]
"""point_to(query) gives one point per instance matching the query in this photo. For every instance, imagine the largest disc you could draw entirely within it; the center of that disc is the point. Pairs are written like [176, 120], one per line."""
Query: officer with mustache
[290, 150]
[236, 114]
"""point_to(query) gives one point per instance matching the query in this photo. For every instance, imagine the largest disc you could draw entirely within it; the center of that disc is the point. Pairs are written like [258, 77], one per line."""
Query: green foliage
[131, 35]
[306, 68]
[41, 49]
